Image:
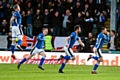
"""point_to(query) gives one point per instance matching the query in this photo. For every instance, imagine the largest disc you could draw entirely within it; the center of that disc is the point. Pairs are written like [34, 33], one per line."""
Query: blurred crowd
[59, 16]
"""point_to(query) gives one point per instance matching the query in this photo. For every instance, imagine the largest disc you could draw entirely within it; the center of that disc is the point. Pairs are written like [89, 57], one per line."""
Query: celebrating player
[70, 40]
[15, 25]
[97, 49]
[37, 49]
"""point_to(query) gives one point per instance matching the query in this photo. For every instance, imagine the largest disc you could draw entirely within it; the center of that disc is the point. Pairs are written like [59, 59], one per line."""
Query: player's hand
[10, 26]
[67, 45]
[108, 33]
[83, 45]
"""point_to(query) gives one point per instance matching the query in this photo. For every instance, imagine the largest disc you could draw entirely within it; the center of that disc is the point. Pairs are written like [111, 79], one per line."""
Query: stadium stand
[51, 14]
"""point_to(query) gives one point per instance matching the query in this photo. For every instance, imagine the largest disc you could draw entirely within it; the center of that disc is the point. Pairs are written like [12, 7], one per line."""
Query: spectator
[92, 7]
[46, 19]
[59, 7]
[118, 20]
[9, 40]
[68, 6]
[85, 9]
[45, 3]
[56, 24]
[112, 40]
[88, 23]
[22, 4]
[24, 19]
[37, 23]
[1, 11]
[118, 47]
[89, 42]
[4, 3]
[11, 12]
[77, 8]
[117, 42]
[67, 23]
[29, 6]
[40, 7]
[51, 6]
[37, 4]
[7, 11]
[100, 22]
[4, 27]
[105, 9]
[10, 2]
[29, 23]
[79, 20]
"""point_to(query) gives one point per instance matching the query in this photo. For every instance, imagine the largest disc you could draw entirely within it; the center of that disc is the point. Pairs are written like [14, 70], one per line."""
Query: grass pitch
[72, 72]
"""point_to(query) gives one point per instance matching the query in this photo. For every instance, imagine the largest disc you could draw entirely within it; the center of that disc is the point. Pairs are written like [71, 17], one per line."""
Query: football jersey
[40, 41]
[73, 38]
[17, 20]
[101, 38]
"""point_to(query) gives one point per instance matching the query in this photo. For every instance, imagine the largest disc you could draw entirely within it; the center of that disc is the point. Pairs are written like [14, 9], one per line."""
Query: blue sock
[62, 66]
[12, 48]
[67, 57]
[95, 67]
[21, 62]
[19, 42]
[95, 57]
[42, 61]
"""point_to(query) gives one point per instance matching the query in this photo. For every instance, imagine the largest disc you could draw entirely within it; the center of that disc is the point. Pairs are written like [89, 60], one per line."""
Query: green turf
[72, 72]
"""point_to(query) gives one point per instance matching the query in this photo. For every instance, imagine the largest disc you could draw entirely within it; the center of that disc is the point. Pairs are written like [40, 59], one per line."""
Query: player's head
[104, 30]
[16, 8]
[45, 31]
[77, 29]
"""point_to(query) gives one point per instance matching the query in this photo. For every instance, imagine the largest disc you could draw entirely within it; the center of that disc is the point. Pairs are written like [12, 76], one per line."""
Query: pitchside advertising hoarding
[81, 58]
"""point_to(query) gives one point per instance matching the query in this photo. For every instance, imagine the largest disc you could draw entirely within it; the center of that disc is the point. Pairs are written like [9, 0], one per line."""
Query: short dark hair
[113, 31]
[102, 28]
[76, 27]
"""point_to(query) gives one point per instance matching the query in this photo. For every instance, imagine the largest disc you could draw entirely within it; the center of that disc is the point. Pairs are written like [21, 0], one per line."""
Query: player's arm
[66, 41]
[107, 38]
[11, 20]
[68, 38]
[81, 43]
[40, 37]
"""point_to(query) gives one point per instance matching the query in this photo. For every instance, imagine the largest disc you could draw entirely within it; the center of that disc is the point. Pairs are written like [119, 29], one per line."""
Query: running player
[97, 49]
[70, 40]
[15, 25]
[37, 49]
